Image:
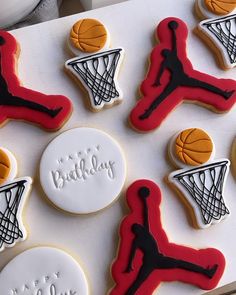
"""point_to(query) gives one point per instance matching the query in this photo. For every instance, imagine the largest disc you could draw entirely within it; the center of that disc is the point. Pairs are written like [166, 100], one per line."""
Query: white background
[94, 238]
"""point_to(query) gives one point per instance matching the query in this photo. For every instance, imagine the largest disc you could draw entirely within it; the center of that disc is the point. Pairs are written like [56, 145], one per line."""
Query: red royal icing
[126, 276]
[18, 102]
[178, 81]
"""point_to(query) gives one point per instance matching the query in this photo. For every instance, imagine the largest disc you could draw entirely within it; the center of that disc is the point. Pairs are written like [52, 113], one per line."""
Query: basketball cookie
[201, 180]
[27, 274]
[20, 103]
[146, 258]
[82, 170]
[96, 68]
[213, 8]
[172, 80]
[13, 196]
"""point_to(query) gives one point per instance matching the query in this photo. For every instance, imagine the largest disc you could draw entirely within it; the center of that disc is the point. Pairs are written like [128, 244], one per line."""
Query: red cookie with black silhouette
[17, 102]
[172, 80]
[146, 257]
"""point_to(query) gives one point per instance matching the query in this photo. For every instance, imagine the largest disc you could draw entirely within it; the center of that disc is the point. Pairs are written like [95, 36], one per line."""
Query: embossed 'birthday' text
[82, 170]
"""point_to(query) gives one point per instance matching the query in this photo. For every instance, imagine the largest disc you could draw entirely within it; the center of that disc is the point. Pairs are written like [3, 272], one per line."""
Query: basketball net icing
[98, 74]
[202, 186]
[222, 32]
[13, 195]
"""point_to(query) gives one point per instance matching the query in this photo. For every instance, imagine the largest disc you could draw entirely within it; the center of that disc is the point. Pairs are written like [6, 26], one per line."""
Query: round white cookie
[43, 271]
[82, 170]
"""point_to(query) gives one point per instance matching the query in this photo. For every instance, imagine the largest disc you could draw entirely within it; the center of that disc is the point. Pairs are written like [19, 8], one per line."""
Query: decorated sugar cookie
[17, 102]
[13, 195]
[146, 258]
[212, 8]
[217, 29]
[171, 80]
[43, 271]
[233, 157]
[219, 34]
[82, 170]
[96, 66]
[202, 179]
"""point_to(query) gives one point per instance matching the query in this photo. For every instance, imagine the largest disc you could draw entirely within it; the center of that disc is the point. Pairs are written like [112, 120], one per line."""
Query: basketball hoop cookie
[96, 68]
[13, 196]
[218, 28]
[146, 258]
[171, 80]
[17, 102]
[202, 180]
[82, 170]
[60, 274]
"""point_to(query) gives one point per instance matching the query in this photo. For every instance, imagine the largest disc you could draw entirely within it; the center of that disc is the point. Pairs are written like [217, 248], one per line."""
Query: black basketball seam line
[94, 37]
[216, 5]
[185, 155]
[4, 164]
[89, 45]
[90, 28]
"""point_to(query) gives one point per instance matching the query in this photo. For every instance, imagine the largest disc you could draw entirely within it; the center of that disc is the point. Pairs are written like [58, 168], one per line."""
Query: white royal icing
[98, 74]
[204, 189]
[13, 196]
[82, 170]
[43, 271]
[221, 31]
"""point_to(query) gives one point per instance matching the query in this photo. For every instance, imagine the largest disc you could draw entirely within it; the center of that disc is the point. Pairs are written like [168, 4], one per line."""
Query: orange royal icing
[88, 35]
[5, 166]
[220, 7]
[193, 146]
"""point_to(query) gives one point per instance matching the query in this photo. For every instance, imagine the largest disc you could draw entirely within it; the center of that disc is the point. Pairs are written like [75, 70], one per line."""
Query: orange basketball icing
[5, 166]
[220, 7]
[88, 35]
[193, 146]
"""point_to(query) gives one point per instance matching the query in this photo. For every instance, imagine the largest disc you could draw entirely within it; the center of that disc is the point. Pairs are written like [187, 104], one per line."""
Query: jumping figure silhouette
[146, 257]
[152, 257]
[178, 77]
[171, 80]
[18, 102]
[8, 99]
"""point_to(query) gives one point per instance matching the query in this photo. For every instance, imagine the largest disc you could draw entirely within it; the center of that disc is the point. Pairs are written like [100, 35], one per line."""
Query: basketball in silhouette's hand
[88, 35]
[173, 25]
[2, 41]
[220, 7]
[193, 147]
[144, 192]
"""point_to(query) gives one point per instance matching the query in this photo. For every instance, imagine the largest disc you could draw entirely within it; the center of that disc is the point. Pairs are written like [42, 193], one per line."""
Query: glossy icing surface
[43, 271]
[82, 170]
[171, 80]
[88, 35]
[13, 196]
[146, 257]
[48, 111]
[201, 180]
